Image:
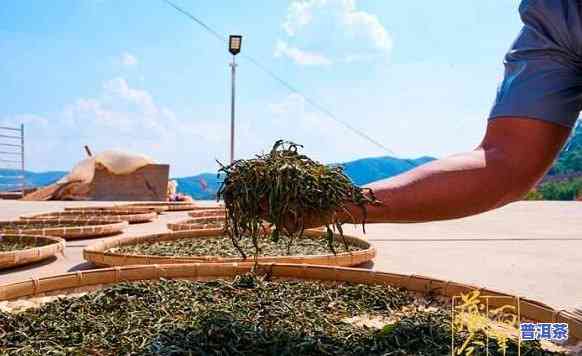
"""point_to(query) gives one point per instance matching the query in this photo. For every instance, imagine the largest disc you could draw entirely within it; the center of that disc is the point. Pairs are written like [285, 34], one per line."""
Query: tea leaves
[285, 188]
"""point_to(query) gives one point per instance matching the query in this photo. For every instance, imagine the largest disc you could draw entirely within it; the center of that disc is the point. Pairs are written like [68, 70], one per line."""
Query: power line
[290, 87]
[317, 106]
[205, 26]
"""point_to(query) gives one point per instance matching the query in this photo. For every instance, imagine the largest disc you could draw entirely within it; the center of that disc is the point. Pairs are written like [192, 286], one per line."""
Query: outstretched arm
[514, 154]
[537, 103]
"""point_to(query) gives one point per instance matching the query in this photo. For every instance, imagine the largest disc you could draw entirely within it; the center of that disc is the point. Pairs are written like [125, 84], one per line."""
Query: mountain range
[361, 171]
[205, 185]
[10, 178]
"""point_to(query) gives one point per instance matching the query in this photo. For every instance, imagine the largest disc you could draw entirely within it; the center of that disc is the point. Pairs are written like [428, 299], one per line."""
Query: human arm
[514, 154]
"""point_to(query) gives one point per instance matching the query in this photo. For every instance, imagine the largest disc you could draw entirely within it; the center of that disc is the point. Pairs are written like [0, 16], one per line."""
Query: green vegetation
[560, 190]
[570, 159]
[564, 180]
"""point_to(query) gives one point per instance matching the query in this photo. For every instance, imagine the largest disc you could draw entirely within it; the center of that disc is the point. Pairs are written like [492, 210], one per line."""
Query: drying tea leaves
[12, 244]
[247, 316]
[44, 224]
[222, 246]
[285, 187]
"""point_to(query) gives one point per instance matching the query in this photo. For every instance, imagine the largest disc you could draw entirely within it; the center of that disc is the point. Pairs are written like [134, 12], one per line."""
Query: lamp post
[234, 45]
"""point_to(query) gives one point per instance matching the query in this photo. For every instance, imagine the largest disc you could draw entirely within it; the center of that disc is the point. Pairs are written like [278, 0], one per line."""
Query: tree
[563, 190]
[570, 159]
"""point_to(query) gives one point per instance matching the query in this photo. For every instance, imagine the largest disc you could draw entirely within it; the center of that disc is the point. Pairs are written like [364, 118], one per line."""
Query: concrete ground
[531, 249]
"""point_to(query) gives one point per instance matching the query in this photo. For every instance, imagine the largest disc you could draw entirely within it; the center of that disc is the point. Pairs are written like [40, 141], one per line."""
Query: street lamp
[234, 44]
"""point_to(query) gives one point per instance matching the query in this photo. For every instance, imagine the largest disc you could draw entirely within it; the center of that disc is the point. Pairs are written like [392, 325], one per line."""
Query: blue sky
[418, 76]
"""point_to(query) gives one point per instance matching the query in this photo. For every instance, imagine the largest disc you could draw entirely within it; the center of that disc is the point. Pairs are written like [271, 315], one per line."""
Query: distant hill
[204, 186]
[366, 170]
[9, 178]
[361, 171]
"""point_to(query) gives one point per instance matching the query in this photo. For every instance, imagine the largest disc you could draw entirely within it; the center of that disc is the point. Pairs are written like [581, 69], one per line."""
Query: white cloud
[299, 56]
[126, 118]
[351, 34]
[366, 25]
[89, 111]
[125, 115]
[128, 59]
[119, 87]
[300, 14]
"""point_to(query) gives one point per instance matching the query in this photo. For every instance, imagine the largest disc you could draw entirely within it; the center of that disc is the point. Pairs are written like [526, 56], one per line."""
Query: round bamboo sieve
[175, 206]
[197, 223]
[63, 283]
[103, 215]
[133, 209]
[97, 253]
[16, 258]
[82, 229]
[207, 212]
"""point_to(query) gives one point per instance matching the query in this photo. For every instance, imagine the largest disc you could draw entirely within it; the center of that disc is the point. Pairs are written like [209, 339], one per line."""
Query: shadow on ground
[82, 266]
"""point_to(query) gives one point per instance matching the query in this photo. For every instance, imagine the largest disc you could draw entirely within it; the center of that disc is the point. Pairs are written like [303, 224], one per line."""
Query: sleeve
[542, 77]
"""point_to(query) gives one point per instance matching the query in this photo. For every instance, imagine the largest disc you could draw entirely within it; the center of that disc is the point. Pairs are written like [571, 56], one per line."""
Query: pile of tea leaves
[31, 224]
[285, 187]
[12, 244]
[222, 246]
[247, 316]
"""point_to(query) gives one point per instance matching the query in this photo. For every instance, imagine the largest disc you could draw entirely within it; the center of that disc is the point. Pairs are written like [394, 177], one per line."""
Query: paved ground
[532, 249]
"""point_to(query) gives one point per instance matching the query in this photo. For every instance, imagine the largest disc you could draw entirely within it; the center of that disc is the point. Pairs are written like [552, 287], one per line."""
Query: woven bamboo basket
[97, 253]
[105, 215]
[206, 213]
[196, 223]
[210, 207]
[98, 278]
[176, 206]
[83, 228]
[16, 258]
[135, 209]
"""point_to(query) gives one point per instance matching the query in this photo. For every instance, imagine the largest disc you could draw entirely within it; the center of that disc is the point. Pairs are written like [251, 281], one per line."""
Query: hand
[311, 220]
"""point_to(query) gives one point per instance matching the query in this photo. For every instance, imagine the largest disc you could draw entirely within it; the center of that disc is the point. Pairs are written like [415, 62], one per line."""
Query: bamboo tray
[105, 215]
[202, 213]
[9, 259]
[97, 254]
[176, 206]
[133, 209]
[195, 223]
[83, 229]
[98, 278]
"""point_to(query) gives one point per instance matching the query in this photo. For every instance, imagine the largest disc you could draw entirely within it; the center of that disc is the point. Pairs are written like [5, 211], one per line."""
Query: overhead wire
[288, 86]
